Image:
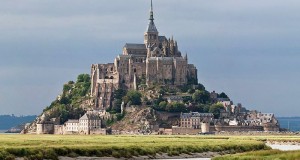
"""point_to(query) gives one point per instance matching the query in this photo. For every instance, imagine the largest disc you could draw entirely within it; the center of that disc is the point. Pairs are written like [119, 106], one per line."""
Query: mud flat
[194, 156]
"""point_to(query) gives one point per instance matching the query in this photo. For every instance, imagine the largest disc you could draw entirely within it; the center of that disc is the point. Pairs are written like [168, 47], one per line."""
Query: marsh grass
[263, 155]
[51, 146]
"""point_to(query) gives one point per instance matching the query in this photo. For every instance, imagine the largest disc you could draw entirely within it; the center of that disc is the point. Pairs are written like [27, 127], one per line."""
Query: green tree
[83, 78]
[133, 96]
[117, 106]
[201, 96]
[176, 107]
[67, 87]
[162, 105]
[216, 109]
[191, 91]
[119, 93]
[197, 108]
[200, 87]
[223, 95]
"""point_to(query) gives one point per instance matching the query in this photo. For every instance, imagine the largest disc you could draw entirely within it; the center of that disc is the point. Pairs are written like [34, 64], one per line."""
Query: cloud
[242, 47]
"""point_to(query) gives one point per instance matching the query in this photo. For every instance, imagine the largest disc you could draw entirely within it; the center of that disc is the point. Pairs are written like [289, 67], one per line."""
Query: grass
[52, 146]
[263, 155]
[266, 154]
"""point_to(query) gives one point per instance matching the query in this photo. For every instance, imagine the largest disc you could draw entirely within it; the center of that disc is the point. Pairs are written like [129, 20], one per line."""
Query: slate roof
[73, 121]
[151, 27]
[162, 38]
[90, 116]
[135, 46]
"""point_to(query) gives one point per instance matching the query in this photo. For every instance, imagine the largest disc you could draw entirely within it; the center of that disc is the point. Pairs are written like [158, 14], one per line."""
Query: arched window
[134, 70]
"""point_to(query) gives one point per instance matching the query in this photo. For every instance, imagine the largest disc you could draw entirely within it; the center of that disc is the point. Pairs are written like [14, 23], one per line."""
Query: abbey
[157, 61]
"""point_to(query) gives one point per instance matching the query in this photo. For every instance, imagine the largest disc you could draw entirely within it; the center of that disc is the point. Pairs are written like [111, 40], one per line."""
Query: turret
[186, 57]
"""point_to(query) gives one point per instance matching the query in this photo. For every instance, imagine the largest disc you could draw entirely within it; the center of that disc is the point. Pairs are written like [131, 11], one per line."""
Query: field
[263, 155]
[266, 154]
[52, 146]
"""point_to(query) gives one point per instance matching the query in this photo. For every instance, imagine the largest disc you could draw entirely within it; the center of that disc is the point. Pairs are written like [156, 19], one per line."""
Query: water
[284, 147]
[293, 123]
[3, 131]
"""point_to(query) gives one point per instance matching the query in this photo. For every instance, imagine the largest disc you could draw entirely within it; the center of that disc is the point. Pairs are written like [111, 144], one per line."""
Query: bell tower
[151, 34]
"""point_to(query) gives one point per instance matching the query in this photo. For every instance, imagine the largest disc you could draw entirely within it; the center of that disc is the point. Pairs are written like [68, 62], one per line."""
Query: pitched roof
[151, 27]
[73, 121]
[135, 46]
[89, 116]
[162, 38]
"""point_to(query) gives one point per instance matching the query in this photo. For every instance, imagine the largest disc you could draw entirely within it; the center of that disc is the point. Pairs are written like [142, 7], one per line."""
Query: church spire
[151, 26]
[151, 12]
[151, 34]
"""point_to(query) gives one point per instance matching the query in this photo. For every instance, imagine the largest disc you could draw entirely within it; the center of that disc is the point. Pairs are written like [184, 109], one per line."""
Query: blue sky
[248, 49]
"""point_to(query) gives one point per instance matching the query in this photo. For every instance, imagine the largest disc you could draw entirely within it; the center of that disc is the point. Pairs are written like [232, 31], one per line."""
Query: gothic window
[134, 70]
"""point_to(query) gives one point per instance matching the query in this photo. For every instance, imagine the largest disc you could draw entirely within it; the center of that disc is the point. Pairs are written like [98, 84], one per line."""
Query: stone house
[89, 122]
[195, 119]
[71, 126]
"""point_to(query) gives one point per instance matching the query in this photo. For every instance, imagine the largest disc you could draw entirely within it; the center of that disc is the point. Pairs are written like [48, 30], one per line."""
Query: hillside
[73, 102]
[150, 107]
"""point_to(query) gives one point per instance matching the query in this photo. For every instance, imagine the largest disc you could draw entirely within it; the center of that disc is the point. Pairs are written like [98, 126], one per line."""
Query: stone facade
[156, 61]
[195, 120]
[89, 123]
[45, 125]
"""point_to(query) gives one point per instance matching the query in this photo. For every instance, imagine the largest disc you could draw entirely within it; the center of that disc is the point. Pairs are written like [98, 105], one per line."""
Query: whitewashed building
[71, 126]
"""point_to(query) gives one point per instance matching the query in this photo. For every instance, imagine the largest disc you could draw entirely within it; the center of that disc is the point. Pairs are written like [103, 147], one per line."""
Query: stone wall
[238, 128]
[45, 128]
[185, 131]
[98, 131]
[58, 129]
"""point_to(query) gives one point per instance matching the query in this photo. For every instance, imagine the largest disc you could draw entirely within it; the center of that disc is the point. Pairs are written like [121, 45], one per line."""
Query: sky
[247, 49]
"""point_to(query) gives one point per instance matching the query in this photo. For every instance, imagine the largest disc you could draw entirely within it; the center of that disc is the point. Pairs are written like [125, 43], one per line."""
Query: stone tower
[151, 34]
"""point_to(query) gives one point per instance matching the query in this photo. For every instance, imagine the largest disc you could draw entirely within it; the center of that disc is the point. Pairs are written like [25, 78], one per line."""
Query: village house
[89, 123]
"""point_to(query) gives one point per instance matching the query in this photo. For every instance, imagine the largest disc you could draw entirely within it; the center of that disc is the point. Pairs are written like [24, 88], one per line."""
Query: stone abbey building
[157, 61]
